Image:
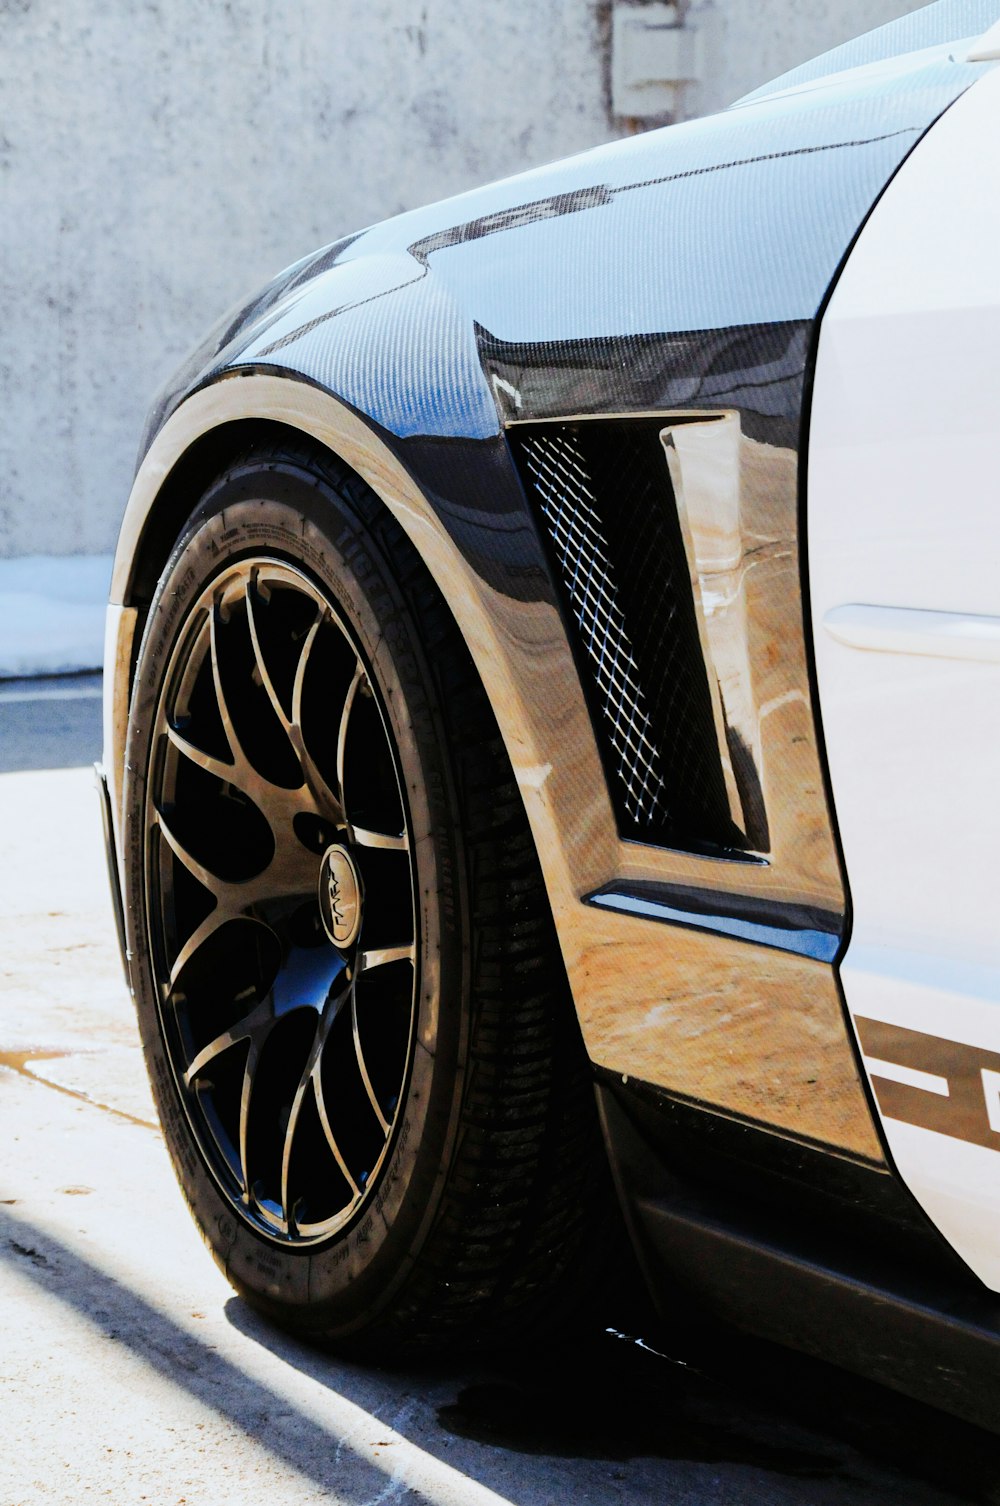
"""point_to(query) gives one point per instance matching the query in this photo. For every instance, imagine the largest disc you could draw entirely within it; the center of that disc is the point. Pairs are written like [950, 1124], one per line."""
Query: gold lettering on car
[933, 1083]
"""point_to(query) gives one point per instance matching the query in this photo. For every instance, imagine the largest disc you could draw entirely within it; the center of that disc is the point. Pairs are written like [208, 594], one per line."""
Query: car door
[903, 544]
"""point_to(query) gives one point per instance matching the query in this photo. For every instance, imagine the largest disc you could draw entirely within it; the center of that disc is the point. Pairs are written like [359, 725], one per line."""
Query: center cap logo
[340, 896]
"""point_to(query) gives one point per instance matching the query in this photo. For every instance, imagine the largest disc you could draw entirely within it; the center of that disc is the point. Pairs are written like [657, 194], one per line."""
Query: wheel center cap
[340, 896]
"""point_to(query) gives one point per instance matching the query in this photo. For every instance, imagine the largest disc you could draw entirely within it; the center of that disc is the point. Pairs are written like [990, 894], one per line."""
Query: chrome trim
[703, 460]
[736, 501]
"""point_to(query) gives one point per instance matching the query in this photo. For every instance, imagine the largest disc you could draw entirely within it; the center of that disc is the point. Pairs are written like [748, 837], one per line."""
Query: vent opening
[602, 493]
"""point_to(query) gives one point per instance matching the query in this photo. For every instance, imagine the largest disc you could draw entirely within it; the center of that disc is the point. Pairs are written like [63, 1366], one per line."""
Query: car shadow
[712, 1397]
[604, 1397]
[595, 1398]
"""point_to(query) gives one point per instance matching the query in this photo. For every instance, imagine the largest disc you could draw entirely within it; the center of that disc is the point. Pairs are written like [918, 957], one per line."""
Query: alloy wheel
[281, 901]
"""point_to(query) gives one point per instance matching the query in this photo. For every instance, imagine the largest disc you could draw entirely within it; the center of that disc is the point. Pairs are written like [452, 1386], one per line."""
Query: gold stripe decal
[933, 1083]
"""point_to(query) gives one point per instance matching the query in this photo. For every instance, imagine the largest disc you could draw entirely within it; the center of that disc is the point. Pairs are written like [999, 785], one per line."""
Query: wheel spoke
[257, 1039]
[213, 922]
[385, 841]
[228, 773]
[249, 1069]
[241, 686]
[326, 802]
[382, 955]
[345, 717]
[302, 1087]
[205, 876]
[302, 666]
[324, 1119]
[239, 757]
[363, 1066]
[287, 877]
[309, 1072]
[276, 803]
[258, 654]
[233, 899]
[240, 772]
[253, 1025]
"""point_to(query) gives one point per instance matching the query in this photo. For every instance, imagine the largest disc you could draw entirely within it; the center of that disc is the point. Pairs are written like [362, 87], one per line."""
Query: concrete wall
[159, 158]
[755, 42]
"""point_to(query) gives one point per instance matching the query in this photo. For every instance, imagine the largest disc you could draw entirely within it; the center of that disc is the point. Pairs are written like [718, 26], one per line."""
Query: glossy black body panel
[841, 1264]
[757, 370]
[667, 1140]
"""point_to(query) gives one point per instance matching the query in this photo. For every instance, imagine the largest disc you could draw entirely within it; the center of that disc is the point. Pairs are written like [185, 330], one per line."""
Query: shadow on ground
[723, 1399]
[608, 1397]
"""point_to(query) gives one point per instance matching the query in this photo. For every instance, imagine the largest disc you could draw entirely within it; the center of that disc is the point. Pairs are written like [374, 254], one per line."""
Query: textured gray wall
[159, 158]
[755, 40]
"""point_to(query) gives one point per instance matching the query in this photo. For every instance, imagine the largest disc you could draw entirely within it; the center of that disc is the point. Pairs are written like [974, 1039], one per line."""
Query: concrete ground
[129, 1372]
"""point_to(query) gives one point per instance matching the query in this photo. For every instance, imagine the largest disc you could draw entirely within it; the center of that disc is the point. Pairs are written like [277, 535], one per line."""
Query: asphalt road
[129, 1372]
[51, 723]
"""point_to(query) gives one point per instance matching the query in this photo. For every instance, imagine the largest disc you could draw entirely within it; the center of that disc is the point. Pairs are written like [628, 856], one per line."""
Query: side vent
[603, 496]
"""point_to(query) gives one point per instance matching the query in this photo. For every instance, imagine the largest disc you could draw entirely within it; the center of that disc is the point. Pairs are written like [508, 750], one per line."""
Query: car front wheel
[353, 1009]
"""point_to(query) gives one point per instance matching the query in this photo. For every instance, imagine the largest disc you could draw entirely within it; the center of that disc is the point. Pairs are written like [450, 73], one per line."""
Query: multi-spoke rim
[275, 803]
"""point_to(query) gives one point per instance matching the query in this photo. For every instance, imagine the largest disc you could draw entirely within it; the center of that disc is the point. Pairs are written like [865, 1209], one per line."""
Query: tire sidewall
[285, 513]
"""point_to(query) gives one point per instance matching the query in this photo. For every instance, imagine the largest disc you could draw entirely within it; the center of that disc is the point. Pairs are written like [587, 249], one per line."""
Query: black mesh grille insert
[603, 492]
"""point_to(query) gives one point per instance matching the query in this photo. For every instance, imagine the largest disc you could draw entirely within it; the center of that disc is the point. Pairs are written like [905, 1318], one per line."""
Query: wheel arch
[525, 662]
[208, 431]
[205, 459]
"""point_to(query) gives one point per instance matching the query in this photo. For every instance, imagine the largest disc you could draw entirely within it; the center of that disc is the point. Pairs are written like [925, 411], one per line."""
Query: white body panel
[904, 513]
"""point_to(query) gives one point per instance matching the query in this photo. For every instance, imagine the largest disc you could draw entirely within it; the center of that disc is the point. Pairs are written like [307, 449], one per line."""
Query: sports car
[551, 726]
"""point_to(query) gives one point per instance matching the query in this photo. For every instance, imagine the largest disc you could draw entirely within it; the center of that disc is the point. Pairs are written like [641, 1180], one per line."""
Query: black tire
[490, 1213]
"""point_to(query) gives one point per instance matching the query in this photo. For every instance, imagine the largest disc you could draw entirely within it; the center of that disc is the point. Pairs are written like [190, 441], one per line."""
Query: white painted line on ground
[50, 693]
